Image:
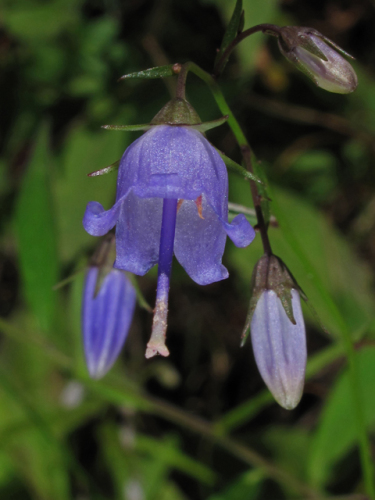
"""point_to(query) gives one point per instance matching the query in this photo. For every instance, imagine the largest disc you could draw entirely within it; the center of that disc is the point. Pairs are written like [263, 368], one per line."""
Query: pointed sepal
[235, 26]
[106, 170]
[152, 73]
[128, 128]
[270, 273]
[238, 169]
[204, 126]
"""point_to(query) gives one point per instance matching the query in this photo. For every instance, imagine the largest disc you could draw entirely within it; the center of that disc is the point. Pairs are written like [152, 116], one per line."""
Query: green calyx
[177, 112]
[292, 37]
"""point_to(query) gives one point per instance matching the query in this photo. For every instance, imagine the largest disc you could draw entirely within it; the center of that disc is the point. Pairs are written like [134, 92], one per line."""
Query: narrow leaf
[336, 434]
[69, 279]
[157, 72]
[35, 227]
[128, 128]
[168, 451]
[233, 28]
[262, 189]
[235, 167]
[140, 297]
[203, 127]
[245, 487]
[106, 170]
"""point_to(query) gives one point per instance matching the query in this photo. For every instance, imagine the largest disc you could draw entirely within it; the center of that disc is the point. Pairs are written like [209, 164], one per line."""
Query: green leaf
[41, 451]
[168, 451]
[256, 13]
[262, 188]
[203, 127]
[128, 128]
[336, 434]
[231, 31]
[140, 297]
[235, 167]
[157, 72]
[336, 282]
[246, 411]
[333, 278]
[83, 152]
[289, 447]
[33, 22]
[246, 487]
[36, 231]
[106, 170]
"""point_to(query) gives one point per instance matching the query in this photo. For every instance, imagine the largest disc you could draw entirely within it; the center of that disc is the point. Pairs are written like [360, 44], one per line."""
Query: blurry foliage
[163, 430]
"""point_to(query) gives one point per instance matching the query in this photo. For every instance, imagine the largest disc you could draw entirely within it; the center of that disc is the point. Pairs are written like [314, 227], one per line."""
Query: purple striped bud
[319, 58]
[278, 331]
[107, 311]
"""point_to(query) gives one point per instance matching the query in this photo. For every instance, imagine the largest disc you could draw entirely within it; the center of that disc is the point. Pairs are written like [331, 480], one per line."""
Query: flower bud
[319, 58]
[107, 311]
[278, 330]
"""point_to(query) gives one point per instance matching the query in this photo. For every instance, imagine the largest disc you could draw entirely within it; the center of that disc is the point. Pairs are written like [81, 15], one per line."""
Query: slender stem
[181, 81]
[364, 445]
[270, 29]
[246, 154]
[159, 326]
[243, 143]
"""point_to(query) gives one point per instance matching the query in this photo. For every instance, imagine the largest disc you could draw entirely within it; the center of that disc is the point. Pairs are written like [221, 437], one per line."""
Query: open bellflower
[278, 331]
[172, 198]
[319, 58]
[107, 311]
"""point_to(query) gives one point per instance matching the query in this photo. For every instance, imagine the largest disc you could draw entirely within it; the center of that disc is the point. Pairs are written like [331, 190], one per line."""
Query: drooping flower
[172, 198]
[278, 331]
[319, 58]
[107, 310]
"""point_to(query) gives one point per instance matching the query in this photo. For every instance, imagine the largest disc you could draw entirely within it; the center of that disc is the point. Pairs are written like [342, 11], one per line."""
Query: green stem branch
[364, 445]
[242, 142]
[269, 29]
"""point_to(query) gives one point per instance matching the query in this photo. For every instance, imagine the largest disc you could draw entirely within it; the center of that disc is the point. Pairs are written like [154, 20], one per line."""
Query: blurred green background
[199, 424]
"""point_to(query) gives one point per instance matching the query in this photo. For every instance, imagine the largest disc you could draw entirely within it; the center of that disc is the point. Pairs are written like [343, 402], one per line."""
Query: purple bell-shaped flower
[172, 198]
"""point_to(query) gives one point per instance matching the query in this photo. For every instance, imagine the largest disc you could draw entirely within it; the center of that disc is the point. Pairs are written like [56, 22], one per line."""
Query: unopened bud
[319, 58]
[278, 330]
[107, 310]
